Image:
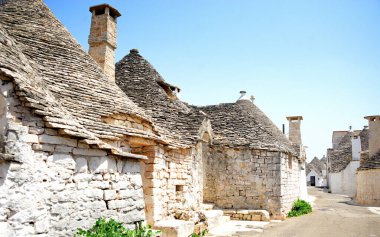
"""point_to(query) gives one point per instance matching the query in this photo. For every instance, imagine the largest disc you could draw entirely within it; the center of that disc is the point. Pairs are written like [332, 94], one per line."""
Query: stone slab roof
[371, 163]
[178, 122]
[317, 165]
[244, 124]
[58, 79]
[324, 160]
[364, 138]
[342, 155]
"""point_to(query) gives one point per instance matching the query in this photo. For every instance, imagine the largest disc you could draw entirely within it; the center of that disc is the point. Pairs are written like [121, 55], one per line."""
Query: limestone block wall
[367, 187]
[55, 184]
[173, 182]
[344, 182]
[243, 178]
[290, 182]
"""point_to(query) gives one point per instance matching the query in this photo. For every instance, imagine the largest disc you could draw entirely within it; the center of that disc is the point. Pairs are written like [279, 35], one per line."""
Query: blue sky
[319, 59]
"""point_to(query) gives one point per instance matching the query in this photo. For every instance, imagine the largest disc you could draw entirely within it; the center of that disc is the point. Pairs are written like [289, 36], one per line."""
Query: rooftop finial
[252, 98]
[136, 51]
[243, 96]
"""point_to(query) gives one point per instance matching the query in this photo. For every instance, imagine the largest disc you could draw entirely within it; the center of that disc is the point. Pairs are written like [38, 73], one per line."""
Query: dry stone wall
[290, 182]
[52, 184]
[173, 182]
[244, 178]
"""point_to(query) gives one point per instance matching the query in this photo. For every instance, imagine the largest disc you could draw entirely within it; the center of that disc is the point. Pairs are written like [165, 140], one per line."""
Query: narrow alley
[333, 215]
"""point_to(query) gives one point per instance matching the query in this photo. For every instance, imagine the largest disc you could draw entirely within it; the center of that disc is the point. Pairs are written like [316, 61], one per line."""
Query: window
[179, 188]
[171, 91]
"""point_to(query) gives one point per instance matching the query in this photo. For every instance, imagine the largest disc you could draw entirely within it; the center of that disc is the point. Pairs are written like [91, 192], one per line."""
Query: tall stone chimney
[103, 37]
[374, 134]
[295, 129]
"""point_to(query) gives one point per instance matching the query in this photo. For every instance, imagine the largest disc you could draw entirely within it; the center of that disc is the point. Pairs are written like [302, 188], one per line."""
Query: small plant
[300, 207]
[112, 228]
[203, 233]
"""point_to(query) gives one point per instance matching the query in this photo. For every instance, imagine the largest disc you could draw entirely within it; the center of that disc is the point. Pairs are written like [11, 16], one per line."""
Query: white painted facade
[303, 188]
[356, 147]
[344, 182]
[319, 180]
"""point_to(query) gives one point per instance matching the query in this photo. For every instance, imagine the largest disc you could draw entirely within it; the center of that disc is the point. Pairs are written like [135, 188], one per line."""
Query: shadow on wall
[4, 166]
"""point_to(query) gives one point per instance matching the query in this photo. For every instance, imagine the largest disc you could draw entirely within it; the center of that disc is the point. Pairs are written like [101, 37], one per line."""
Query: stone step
[247, 215]
[215, 218]
[238, 228]
[174, 228]
[208, 206]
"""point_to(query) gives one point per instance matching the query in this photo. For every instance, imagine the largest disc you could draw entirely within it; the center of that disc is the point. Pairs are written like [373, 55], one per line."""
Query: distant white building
[316, 173]
[343, 160]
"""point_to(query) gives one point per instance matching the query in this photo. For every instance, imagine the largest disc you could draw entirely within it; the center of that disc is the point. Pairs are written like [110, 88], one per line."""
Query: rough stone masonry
[76, 146]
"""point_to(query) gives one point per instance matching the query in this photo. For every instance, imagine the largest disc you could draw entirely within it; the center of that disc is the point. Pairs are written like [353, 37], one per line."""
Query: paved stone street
[332, 216]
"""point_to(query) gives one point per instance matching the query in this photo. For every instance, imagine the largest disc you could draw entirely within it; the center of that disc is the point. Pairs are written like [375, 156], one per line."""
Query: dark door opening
[312, 180]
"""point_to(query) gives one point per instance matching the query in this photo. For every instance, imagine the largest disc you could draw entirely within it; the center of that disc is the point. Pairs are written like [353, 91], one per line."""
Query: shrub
[300, 207]
[112, 228]
[202, 234]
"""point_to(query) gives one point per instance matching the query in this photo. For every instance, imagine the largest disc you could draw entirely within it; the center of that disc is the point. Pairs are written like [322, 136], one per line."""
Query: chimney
[243, 96]
[102, 39]
[295, 129]
[374, 134]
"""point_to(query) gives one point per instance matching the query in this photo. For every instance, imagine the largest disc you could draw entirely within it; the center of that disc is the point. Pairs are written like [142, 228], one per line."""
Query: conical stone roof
[342, 155]
[372, 162]
[178, 122]
[364, 139]
[58, 78]
[317, 165]
[244, 124]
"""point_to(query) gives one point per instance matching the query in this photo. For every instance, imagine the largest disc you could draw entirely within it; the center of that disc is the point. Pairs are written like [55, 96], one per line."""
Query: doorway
[312, 180]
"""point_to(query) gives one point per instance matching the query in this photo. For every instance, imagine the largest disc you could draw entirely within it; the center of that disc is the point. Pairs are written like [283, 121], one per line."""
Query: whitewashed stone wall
[244, 178]
[55, 184]
[290, 182]
[173, 182]
[344, 182]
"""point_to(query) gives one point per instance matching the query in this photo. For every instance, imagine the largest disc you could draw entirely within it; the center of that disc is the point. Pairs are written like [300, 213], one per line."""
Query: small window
[179, 188]
[170, 91]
